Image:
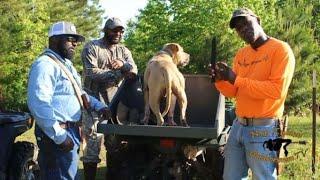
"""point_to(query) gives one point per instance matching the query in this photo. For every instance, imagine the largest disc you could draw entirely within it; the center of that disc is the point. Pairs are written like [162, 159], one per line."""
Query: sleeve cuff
[99, 106]
[96, 104]
[126, 67]
[60, 135]
[220, 83]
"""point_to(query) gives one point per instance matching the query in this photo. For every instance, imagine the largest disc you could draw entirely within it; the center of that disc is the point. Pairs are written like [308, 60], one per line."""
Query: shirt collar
[63, 60]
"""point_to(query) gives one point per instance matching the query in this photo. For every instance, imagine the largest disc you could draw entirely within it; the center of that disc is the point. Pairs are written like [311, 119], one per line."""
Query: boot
[90, 170]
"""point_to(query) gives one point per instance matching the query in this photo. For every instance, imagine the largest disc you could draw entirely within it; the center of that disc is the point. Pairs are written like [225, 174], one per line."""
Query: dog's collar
[165, 52]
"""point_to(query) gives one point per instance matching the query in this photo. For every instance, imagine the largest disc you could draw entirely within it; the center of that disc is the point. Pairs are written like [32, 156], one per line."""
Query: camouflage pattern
[100, 80]
[126, 115]
[113, 23]
[92, 140]
[242, 12]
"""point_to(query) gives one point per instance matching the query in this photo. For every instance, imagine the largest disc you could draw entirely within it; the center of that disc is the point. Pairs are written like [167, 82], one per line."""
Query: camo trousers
[91, 140]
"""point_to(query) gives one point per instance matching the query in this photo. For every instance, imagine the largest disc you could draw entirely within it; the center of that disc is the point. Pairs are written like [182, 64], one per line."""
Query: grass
[29, 136]
[299, 168]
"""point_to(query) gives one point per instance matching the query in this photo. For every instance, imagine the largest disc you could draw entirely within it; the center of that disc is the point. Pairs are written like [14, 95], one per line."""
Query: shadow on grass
[101, 173]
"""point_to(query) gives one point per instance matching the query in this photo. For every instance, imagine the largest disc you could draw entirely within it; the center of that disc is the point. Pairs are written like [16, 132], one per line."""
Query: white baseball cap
[65, 28]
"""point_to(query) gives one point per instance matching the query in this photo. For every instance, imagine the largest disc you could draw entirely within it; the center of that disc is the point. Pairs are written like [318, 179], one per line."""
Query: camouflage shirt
[99, 79]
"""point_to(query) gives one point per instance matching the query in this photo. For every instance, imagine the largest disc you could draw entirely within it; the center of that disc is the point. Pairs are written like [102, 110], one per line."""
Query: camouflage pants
[92, 140]
[126, 115]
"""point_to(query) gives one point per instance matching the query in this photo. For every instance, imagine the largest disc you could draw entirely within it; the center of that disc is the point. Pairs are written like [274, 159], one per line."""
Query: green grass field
[29, 136]
[298, 168]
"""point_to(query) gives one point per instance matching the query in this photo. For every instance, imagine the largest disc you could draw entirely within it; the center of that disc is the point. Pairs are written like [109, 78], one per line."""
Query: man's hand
[213, 73]
[116, 64]
[224, 72]
[66, 145]
[105, 112]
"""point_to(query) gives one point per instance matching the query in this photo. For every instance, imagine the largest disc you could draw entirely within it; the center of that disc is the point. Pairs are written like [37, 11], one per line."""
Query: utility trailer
[172, 152]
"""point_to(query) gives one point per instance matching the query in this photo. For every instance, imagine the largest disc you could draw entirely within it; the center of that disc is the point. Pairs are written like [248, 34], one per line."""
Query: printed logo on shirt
[245, 64]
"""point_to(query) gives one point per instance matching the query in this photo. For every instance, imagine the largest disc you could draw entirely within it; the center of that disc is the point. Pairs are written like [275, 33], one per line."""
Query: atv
[18, 160]
[150, 152]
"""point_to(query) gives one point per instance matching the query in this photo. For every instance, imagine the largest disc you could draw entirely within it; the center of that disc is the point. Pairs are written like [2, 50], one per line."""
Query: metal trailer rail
[158, 131]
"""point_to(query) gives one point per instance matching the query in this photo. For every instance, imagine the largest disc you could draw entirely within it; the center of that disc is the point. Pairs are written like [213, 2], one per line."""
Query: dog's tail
[168, 92]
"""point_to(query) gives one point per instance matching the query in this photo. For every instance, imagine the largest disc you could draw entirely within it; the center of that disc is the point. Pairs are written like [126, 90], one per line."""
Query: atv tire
[22, 164]
[216, 162]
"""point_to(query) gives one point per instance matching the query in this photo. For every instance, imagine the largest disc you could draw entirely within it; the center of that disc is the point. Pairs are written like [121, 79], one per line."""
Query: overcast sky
[124, 9]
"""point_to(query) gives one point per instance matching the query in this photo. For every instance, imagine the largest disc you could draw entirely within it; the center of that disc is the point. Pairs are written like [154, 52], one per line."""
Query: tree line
[24, 26]
[191, 23]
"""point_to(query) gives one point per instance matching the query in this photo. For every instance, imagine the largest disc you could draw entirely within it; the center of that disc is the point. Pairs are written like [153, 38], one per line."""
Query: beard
[66, 51]
[113, 39]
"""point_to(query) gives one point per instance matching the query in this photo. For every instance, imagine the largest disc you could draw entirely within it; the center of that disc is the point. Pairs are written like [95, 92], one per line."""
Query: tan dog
[162, 78]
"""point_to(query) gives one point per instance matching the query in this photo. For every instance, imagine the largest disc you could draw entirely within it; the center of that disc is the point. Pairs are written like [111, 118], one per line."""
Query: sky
[123, 9]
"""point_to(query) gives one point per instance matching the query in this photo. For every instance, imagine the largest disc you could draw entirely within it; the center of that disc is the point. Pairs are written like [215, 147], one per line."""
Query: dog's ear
[173, 49]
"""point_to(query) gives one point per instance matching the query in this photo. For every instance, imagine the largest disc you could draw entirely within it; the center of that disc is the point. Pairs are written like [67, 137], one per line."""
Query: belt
[255, 121]
[69, 124]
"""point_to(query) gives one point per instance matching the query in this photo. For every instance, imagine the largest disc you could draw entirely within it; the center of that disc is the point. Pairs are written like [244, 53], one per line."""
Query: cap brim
[113, 27]
[231, 23]
[78, 37]
[81, 38]
[118, 26]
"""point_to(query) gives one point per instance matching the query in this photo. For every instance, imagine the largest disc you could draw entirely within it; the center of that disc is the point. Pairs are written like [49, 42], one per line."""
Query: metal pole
[314, 124]
[213, 55]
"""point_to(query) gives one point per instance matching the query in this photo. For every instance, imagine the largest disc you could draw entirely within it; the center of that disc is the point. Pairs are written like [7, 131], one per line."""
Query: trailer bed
[158, 131]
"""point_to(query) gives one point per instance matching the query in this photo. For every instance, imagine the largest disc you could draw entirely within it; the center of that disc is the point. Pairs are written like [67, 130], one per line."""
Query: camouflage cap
[241, 12]
[112, 23]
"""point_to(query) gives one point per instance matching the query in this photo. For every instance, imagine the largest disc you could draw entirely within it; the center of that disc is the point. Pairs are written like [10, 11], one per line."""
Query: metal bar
[159, 131]
[314, 120]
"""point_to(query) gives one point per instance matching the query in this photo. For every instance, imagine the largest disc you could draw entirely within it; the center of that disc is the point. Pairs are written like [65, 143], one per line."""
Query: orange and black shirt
[263, 78]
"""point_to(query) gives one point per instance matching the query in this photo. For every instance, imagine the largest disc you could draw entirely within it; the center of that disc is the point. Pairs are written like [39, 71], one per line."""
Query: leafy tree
[295, 27]
[24, 27]
[21, 33]
[316, 19]
[147, 36]
[192, 23]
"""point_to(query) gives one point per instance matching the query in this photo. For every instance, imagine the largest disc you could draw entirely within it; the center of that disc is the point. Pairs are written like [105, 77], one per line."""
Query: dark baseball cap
[64, 28]
[241, 12]
[113, 23]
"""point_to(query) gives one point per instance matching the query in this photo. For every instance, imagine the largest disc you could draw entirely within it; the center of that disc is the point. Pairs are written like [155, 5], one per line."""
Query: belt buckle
[247, 121]
[71, 124]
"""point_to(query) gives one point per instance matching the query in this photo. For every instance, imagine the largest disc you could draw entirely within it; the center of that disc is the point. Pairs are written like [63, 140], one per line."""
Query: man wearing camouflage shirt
[106, 62]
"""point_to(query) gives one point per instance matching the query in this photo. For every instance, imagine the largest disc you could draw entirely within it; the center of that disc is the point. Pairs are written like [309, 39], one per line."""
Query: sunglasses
[71, 39]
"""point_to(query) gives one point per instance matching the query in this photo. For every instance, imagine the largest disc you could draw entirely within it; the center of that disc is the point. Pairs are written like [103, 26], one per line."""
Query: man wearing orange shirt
[259, 82]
